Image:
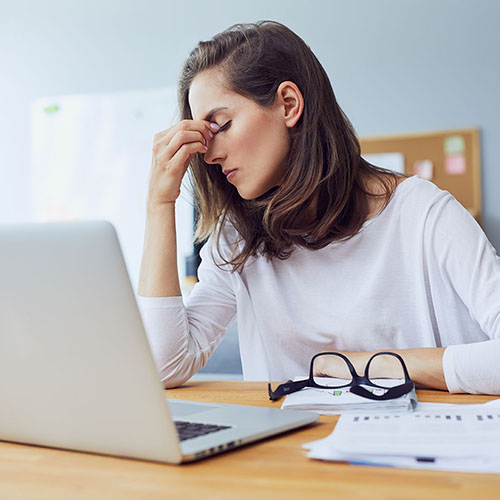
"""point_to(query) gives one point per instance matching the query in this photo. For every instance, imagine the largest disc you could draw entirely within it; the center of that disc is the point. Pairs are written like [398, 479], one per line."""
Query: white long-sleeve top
[419, 274]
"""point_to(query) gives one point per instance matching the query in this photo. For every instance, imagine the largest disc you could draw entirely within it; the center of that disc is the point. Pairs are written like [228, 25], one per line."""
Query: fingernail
[214, 126]
[210, 134]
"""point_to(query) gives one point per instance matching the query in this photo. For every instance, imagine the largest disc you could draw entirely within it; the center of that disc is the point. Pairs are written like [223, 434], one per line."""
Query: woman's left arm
[471, 368]
[425, 365]
[462, 254]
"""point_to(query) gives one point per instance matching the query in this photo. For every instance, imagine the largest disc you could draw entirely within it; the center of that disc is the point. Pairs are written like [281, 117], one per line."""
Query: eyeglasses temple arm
[287, 388]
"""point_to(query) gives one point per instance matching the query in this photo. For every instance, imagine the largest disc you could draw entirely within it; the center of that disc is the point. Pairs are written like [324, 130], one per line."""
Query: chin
[256, 194]
[248, 195]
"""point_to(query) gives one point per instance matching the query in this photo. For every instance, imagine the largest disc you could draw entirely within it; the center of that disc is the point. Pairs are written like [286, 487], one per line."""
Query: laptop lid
[76, 370]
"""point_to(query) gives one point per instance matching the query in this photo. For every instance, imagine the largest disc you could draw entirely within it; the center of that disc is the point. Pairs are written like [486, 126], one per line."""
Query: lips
[229, 173]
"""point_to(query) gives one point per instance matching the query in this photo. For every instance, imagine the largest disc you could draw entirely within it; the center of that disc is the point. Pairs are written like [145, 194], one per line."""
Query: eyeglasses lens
[385, 367]
[331, 371]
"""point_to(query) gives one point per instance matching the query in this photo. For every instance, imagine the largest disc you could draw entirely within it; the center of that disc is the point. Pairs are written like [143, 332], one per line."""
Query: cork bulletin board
[450, 159]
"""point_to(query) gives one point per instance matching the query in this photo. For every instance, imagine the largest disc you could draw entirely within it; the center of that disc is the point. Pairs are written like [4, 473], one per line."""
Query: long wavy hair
[325, 172]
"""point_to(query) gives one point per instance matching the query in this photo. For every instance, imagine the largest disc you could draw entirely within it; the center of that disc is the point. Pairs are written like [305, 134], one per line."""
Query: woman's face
[252, 145]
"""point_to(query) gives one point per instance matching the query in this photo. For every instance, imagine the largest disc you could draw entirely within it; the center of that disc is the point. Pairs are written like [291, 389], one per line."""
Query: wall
[396, 65]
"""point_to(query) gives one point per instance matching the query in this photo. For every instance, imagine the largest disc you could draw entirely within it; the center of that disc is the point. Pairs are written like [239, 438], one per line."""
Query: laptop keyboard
[189, 430]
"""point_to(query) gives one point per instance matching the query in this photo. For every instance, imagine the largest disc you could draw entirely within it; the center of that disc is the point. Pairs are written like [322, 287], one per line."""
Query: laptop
[76, 370]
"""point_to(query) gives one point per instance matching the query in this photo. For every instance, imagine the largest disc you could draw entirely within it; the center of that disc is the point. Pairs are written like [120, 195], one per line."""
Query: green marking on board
[54, 108]
[454, 145]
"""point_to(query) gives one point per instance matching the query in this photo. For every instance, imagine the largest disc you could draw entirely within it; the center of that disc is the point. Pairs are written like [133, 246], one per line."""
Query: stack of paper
[434, 436]
[335, 401]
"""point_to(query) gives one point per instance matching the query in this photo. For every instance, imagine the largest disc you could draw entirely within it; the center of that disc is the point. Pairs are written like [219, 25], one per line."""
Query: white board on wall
[91, 156]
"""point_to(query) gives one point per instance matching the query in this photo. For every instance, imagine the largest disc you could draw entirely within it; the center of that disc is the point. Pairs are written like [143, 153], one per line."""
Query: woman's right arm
[173, 150]
[181, 338]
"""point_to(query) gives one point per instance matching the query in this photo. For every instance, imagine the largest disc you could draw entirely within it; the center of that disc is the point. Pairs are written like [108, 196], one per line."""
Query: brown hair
[325, 167]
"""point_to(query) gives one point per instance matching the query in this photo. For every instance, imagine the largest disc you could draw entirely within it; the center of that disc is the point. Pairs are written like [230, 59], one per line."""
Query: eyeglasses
[325, 363]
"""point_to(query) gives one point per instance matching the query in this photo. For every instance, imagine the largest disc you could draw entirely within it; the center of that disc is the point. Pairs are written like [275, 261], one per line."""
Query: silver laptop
[76, 370]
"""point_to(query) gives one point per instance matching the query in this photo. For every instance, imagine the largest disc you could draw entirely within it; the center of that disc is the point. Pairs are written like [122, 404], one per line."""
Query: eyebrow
[212, 112]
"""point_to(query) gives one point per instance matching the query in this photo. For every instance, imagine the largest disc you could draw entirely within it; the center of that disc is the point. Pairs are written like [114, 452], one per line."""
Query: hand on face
[173, 150]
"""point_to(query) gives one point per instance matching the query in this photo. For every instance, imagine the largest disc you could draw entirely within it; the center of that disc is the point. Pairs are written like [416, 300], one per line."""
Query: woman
[313, 248]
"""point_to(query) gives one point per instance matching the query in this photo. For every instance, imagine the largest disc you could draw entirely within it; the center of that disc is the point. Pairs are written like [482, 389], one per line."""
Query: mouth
[229, 173]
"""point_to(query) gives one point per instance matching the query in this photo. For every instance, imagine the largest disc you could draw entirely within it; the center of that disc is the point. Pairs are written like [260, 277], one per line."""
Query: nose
[214, 155]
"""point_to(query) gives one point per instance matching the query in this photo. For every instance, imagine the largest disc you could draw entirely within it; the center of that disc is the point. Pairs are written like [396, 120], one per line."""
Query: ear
[291, 102]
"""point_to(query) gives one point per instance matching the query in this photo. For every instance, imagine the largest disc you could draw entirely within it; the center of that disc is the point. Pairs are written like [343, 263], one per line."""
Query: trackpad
[184, 409]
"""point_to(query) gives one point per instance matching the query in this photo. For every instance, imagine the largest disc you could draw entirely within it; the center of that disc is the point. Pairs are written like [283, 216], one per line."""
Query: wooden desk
[274, 468]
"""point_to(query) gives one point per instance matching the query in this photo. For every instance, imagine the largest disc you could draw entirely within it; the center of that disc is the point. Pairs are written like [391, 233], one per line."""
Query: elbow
[175, 374]
[171, 382]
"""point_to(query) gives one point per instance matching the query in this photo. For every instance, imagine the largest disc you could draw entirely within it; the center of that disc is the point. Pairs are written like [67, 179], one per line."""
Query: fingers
[183, 147]
[182, 157]
[185, 137]
[168, 142]
[173, 150]
[201, 126]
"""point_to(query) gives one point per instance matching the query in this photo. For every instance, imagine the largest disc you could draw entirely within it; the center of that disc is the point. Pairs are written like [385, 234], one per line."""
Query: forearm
[425, 365]
[159, 275]
[173, 150]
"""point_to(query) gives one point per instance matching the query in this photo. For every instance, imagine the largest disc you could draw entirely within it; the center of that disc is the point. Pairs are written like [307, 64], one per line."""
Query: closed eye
[225, 126]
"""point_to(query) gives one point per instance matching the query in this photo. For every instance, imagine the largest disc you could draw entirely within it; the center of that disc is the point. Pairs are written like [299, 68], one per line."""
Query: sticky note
[454, 145]
[424, 169]
[455, 164]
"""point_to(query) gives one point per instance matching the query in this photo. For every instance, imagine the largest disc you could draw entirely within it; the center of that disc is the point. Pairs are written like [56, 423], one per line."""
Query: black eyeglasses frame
[291, 386]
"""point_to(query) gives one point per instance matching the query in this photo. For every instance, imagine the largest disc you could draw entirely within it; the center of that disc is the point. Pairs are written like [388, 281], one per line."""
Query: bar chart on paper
[439, 436]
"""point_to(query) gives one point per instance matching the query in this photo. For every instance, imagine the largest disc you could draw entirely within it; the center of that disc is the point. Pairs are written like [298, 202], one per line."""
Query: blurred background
[85, 85]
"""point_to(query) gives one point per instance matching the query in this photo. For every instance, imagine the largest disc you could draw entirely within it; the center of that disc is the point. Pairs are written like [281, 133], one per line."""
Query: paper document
[337, 401]
[434, 436]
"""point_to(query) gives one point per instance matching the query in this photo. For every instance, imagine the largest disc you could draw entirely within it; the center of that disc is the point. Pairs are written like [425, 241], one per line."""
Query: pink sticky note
[424, 169]
[455, 164]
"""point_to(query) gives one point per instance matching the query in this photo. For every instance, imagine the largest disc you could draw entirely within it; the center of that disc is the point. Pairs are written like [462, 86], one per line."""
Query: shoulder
[435, 202]
[418, 208]
[408, 196]
[416, 198]
[444, 222]
[417, 190]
